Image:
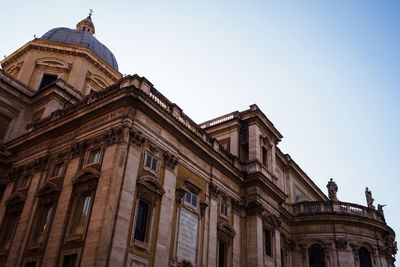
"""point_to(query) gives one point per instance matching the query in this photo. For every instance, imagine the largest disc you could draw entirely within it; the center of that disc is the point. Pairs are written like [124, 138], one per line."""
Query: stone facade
[97, 169]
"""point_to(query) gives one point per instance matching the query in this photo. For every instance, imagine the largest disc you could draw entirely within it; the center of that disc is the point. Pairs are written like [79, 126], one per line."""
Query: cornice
[64, 48]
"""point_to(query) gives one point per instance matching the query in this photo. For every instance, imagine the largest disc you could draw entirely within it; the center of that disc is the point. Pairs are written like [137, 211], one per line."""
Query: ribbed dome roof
[84, 38]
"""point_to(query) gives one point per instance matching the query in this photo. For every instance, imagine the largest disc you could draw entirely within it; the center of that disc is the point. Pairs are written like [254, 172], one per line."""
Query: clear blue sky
[326, 73]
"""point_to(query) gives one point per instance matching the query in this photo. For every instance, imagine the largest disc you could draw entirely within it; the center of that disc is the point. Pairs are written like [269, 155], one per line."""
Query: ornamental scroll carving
[137, 138]
[171, 161]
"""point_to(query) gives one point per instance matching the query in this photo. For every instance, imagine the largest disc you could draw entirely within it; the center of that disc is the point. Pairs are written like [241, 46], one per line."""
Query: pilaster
[124, 213]
[166, 213]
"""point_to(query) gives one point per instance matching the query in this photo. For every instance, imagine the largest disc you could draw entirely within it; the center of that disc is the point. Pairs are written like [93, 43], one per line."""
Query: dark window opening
[84, 28]
[47, 79]
[142, 219]
[268, 242]
[69, 260]
[316, 256]
[365, 258]
[221, 254]
[265, 156]
[30, 264]
[8, 230]
[4, 123]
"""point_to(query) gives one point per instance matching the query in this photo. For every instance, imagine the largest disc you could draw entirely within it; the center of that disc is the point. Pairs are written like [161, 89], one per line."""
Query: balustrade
[335, 207]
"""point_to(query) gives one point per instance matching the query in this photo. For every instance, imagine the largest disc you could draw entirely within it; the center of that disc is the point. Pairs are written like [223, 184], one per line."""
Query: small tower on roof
[86, 24]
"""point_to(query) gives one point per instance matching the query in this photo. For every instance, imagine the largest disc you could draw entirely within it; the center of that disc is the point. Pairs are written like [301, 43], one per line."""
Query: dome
[84, 38]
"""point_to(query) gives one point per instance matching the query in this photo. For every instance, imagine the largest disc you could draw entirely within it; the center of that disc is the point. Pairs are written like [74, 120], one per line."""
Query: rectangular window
[268, 242]
[151, 163]
[4, 123]
[43, 223]
[24, 182]
[142, 220]
[191, 199]
[82, 214]
[221, 254]
[265, 156]
[57, 170]
[69, 260]
[224, 209]
[94, 156]
[8, 230]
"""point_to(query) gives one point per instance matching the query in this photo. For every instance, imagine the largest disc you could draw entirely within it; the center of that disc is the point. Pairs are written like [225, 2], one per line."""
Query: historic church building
[97, 169]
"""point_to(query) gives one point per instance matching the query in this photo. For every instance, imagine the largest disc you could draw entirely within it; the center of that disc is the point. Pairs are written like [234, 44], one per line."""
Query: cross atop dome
[86, 24]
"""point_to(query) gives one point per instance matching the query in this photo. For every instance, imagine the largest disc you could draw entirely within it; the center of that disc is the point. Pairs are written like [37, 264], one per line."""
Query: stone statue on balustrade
[332, 190]
[380, 208]
[370, 200]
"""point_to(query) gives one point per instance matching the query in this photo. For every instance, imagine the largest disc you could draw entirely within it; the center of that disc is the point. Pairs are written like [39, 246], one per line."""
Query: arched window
[316, 256]
[365, 258]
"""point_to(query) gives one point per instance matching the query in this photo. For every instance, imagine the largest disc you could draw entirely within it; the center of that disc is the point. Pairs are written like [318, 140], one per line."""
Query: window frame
[38, 237]
[146, 196]
[224, 209]
[53, 168]
[268, 250]
[6, 244]
[23, 186]
[88, 155]
[189, 203]
[76, 218]
[148, 154]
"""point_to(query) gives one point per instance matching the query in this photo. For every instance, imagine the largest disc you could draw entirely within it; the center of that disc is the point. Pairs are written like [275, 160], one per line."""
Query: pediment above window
[226, 228]
[86, 174]
[152, 184]
[16, 198]
[49, 188]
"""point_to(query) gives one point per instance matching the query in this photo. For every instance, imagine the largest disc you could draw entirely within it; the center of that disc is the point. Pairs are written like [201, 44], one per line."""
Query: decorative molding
[153, 147]
[255, 208]
[171, 161]
[203, 207]
[341, 244]
[86, 174]
[137, 138]
[179, 194]
[152, 184]
[226, 228]
[214, 189]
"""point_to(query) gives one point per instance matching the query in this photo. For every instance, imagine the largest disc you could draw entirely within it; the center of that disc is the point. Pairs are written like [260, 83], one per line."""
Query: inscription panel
[187, 236]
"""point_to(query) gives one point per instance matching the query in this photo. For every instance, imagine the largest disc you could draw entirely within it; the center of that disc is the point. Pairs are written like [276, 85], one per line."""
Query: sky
[326, 73]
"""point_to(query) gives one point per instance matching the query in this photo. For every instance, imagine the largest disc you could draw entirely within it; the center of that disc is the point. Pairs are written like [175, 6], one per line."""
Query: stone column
[277, 238]
[255, 250]
[166, 213]
[236, 239]
[124, 213]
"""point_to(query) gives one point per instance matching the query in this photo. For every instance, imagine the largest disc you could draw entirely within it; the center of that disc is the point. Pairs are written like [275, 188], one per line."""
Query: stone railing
[179, 115]
[335, 207]
[219, 120]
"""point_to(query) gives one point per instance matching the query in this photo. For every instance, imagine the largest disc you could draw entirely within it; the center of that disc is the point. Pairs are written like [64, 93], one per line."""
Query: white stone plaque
[187, 237]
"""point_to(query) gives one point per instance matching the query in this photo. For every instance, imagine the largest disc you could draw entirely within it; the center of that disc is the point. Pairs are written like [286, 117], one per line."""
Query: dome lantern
[86, 24]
